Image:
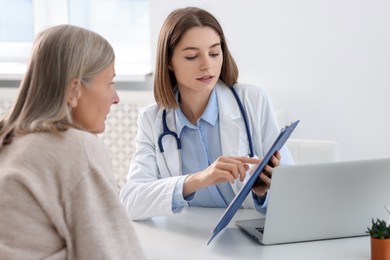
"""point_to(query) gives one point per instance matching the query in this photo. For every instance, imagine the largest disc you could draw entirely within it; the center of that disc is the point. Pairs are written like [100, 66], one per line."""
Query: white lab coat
[149, 188]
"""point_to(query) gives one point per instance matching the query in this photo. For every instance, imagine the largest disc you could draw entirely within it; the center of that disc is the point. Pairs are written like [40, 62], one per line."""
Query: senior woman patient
[58, 198]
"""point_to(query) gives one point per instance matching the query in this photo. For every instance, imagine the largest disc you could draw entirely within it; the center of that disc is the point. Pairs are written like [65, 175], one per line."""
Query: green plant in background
[379, 228]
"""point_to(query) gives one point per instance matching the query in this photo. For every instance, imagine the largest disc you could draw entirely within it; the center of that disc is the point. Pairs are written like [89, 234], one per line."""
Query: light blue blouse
[201, 146]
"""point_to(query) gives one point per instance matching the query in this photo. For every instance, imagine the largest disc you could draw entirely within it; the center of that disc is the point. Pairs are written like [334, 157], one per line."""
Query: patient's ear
[74, 93]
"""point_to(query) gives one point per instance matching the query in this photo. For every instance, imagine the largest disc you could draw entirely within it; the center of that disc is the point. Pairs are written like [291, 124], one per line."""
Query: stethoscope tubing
[246, 122]
[165, 132]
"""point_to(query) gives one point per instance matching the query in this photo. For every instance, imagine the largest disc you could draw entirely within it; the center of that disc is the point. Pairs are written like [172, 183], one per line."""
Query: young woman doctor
[192, 146]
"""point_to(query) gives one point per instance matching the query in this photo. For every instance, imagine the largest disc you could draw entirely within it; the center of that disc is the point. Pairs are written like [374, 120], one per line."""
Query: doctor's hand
[225, 168]
[261, 187]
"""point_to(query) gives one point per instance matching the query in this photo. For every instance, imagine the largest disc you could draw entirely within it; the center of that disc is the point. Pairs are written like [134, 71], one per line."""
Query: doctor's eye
[190, 57]
[214, 54]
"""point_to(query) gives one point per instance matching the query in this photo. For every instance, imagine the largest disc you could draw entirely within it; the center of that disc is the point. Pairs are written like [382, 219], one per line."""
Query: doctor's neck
[193, 105]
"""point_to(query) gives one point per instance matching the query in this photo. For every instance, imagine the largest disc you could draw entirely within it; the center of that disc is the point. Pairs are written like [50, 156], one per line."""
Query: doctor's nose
[205, 65]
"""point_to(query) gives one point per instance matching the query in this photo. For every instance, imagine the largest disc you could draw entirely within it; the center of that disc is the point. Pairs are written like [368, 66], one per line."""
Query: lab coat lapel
[234, 141]
[233, 137]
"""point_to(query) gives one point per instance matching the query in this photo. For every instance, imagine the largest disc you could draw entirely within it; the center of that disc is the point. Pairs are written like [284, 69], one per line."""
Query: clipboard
[244, 191]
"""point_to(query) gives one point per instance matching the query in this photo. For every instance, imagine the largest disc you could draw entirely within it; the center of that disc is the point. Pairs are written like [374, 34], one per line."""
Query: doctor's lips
[205, 78]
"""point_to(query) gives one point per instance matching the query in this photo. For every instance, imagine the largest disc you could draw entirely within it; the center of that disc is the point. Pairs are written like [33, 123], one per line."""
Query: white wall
[326, 62]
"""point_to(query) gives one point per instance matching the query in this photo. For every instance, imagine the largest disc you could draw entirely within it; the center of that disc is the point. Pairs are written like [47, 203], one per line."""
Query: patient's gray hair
[60, 54]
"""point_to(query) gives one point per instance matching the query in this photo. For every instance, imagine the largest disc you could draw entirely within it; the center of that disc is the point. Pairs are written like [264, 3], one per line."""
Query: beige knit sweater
[58, 200]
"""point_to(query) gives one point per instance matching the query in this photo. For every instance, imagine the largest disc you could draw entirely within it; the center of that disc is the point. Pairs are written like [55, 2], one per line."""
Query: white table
[185, 236]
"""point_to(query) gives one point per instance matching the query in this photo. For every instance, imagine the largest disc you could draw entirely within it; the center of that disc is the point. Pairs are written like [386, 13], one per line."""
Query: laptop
[323, 201]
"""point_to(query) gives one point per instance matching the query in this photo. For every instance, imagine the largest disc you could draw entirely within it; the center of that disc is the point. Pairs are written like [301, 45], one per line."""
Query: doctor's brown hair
[176, 24]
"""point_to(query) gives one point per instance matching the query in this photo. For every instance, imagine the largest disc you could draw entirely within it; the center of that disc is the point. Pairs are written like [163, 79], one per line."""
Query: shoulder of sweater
[79, 136]
[90, 143]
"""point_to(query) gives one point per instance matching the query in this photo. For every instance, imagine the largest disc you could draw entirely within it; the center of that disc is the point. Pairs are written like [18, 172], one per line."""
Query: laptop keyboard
[260, 229]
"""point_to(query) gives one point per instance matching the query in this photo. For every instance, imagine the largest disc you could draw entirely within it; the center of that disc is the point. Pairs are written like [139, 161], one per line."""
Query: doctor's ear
[74, 93]
[170, 67]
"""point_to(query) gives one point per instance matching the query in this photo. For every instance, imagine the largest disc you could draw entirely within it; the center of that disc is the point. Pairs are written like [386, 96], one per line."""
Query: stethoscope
[166, 131]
